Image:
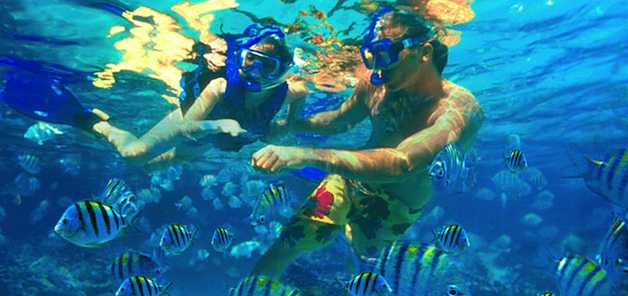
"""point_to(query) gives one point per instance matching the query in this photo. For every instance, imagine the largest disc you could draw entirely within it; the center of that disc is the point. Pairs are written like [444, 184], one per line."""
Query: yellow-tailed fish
[141, 286]
[176, 239]
[92, 223]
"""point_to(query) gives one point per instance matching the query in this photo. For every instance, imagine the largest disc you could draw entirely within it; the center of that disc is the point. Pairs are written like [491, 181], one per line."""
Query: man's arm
[381, 165]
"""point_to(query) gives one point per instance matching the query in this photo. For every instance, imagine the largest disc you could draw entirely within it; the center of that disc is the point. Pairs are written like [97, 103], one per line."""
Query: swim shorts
[372, 220]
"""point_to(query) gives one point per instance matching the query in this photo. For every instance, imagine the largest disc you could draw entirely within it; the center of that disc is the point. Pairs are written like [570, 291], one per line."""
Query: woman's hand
[227, 126]
[276, 131]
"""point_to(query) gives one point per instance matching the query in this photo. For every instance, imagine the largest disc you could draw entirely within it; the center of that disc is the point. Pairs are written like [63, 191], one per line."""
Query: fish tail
[163, 290]
[132, 218]
[342, 285]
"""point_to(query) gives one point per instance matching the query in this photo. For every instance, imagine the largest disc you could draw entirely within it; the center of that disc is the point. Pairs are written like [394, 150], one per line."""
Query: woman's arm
[172, 129]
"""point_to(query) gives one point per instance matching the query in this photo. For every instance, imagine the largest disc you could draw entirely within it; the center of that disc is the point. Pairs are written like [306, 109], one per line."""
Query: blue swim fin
[42, 97]
[310, 173]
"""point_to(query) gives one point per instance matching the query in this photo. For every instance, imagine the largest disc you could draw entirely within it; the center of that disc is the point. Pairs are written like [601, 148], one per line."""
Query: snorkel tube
[376, 79]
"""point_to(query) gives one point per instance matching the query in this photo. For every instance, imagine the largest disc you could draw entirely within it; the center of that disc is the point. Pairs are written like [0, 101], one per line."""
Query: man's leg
[315, 225]
[298, 237]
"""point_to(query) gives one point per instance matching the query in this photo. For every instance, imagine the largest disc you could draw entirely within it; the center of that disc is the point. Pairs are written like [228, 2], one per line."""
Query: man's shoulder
[458, 92]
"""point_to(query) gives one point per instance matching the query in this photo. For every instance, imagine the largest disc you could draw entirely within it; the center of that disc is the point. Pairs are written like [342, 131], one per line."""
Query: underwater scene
[314, 147]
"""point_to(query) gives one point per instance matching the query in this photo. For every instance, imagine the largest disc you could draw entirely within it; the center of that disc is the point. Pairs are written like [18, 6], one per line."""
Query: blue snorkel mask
[381, 53]
[261, 70]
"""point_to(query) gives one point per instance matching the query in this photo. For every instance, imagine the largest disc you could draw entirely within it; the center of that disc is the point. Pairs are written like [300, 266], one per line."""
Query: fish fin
[342, 285]
[122, 234]
[95, 245]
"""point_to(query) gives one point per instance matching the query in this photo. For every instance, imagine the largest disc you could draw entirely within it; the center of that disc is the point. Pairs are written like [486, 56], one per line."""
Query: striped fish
[29, 163]
[535, 178]
[92, 223]
[418, 270]
[513, 186]
[367, 284]
[176, 239]
[614, 257]
[515, 161]
[447, 167]
[453, 239]
[114, 189]
[222, 239]
[262, 286]
[133, 263]
[609, 177]
[274, 196]
[581, 276]
[141, 286]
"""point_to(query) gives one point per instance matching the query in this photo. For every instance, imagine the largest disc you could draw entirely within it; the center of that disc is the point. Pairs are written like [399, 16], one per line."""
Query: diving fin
[42, 97]
[310, 173]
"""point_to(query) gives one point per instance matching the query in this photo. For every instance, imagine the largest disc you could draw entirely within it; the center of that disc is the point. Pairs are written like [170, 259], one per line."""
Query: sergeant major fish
[92, 223]
[614, 256]
[609, 177]
[367, 284]
[418, 270]
[453, 239]
[451, 170]
[581, 276]
[273, 197]
[29, 163]
[141, 286]
[222, 239]
[133, 263]
[41, 132]
[515, 161]
[262, 285]
[176, 239]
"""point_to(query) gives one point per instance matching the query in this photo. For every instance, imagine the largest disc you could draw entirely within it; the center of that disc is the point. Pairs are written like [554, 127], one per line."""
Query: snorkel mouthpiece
[252, 86]
[376, 79]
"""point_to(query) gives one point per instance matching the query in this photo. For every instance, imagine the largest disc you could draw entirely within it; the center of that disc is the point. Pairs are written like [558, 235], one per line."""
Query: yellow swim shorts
[372, 220]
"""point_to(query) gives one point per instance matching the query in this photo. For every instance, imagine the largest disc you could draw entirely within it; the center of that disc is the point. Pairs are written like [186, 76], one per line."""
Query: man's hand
[272, 159]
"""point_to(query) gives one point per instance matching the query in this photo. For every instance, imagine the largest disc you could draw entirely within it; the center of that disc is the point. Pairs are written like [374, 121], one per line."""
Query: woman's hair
[275, 46]
[414, 25]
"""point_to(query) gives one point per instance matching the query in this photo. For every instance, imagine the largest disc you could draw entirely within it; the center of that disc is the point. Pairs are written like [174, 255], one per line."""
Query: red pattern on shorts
[322, 201]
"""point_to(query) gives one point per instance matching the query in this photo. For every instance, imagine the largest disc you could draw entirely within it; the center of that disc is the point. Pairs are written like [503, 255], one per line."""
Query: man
[377, 192]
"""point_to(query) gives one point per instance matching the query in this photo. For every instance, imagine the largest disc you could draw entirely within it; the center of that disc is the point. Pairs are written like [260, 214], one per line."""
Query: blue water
[555, 73]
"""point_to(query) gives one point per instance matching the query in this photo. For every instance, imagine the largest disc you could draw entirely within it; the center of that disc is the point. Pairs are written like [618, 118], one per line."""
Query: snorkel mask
[381, 53]
[261, 70]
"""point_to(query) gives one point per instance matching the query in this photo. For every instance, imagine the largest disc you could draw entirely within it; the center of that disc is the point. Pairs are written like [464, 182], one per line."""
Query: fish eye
[261, 219]
[65, 221]
[453, 290]
[440, 173]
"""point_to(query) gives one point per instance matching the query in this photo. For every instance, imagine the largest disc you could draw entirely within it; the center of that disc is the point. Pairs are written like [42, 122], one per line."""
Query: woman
[225, 107]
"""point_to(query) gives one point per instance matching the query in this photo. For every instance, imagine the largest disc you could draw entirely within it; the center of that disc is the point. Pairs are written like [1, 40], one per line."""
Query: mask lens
[367, 56]
[377, 54]
[384, 56]
[269, 65]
